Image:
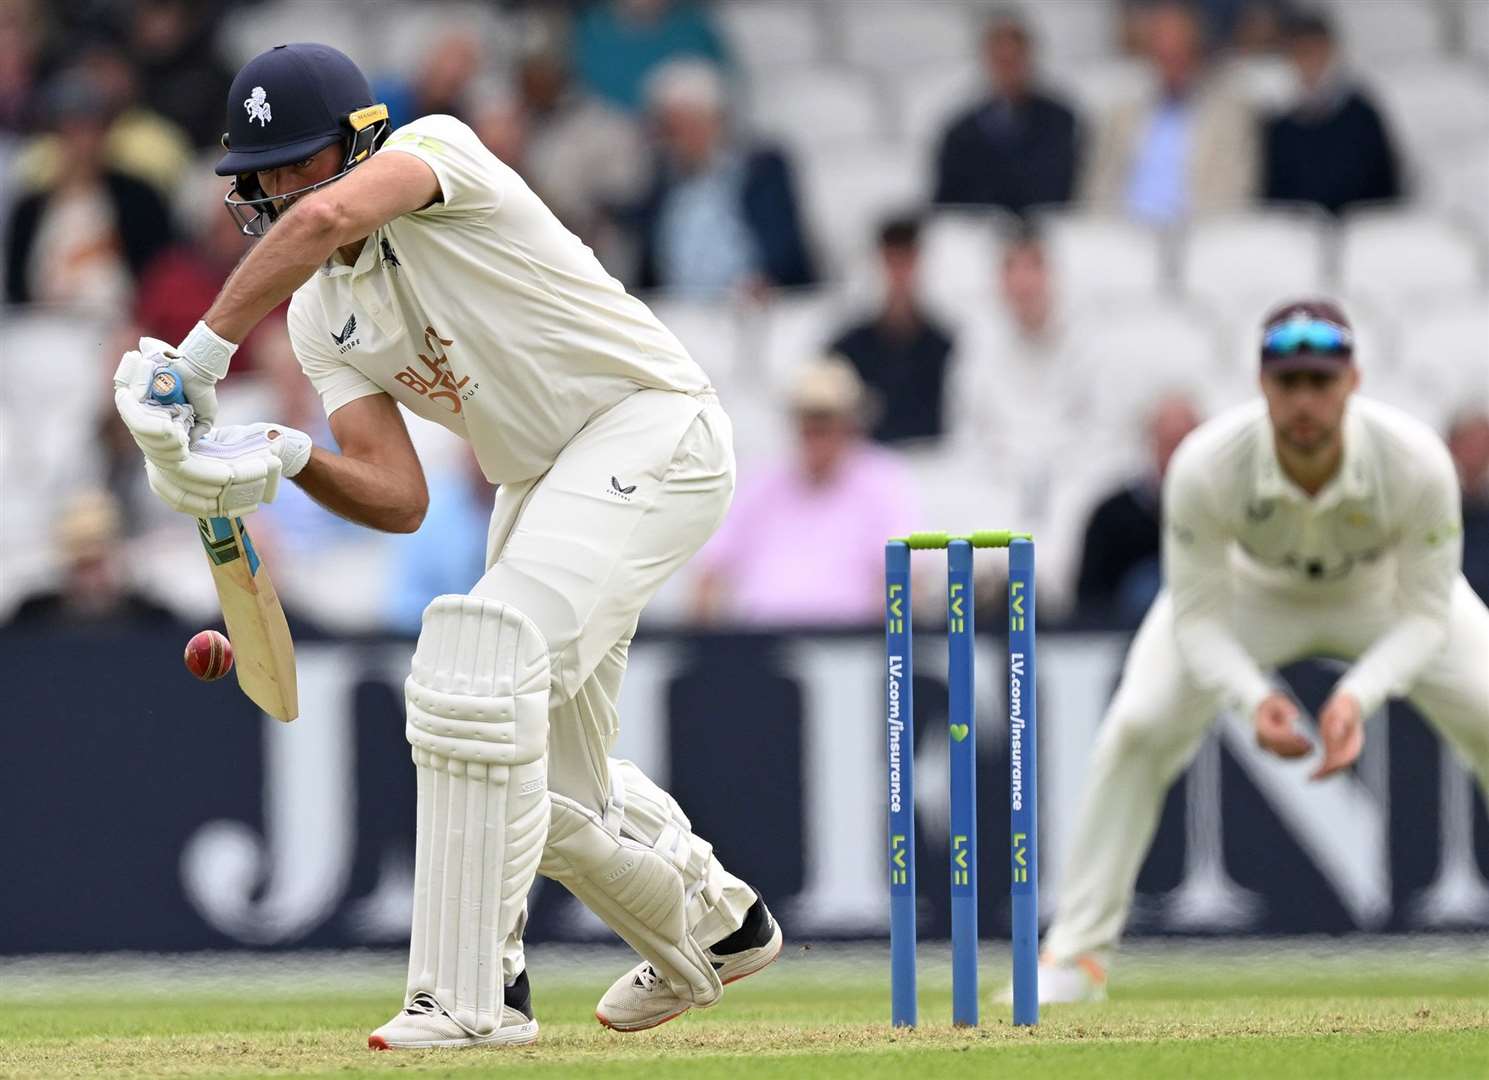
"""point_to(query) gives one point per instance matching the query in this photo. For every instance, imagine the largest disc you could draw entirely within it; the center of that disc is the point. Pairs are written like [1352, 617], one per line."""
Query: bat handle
[166, 387]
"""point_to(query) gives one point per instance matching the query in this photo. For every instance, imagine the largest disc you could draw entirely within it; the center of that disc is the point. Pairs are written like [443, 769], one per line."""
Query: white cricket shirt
[1389, 525]
[483, 314]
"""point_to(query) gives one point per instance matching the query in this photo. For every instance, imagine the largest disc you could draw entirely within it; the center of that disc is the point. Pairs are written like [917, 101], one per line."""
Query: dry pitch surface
[1282, 1010]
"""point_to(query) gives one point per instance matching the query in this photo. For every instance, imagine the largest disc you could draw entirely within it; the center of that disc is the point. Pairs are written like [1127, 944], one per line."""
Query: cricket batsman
[1317, 523]
[425, 273]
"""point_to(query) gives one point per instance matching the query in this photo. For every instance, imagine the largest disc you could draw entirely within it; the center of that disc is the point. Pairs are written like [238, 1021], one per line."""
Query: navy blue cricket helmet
[286, 105]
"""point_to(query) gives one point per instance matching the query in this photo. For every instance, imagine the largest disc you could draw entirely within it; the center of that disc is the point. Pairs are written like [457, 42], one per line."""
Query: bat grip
[166, 387]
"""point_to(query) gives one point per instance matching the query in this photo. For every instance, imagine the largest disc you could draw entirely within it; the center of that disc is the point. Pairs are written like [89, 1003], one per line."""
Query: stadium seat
[1475, 16]
[1402, 255]
[1095, 256]
[1388, 29]
[1434, 110]
[795, 328]
[1459, 185]
[1268, 83]
[1094, 87]
[248, 30]
[765, 35]
[816, 108]
[1068, 32]
[1141, 352]
[1442, 350]
[895, 34]
[1230, 260]
[847, 191]
[926, 100]
[959, 261]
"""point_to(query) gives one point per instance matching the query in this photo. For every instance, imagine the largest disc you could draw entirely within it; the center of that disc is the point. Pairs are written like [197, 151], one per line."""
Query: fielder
[1321, 524]
[425, 273]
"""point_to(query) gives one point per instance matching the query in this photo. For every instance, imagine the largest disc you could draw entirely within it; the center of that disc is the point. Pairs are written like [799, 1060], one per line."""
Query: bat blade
[255, 620]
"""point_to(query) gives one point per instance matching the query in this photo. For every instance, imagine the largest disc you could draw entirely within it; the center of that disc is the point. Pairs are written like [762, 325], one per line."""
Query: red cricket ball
[209, 655]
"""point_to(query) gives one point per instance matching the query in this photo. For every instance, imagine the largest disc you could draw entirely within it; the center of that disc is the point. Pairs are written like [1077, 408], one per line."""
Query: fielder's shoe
[641, 999]
[423, 1024]
[1073, 982]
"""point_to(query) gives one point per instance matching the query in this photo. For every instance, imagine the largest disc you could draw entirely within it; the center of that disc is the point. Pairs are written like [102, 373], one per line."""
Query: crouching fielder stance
[425, 273]
[1320, 525]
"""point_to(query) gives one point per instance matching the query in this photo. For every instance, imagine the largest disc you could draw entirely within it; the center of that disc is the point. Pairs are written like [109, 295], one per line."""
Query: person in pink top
[804, 541]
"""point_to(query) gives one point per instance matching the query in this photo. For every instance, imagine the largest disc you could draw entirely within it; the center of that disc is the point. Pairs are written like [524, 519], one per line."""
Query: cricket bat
[262, 646]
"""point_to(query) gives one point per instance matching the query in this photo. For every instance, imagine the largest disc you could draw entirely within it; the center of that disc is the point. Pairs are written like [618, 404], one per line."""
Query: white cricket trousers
[1158, 718]
[580, 551]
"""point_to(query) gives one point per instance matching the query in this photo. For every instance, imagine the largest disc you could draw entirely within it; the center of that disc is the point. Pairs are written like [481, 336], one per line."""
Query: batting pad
[639, 892]
[478, 723]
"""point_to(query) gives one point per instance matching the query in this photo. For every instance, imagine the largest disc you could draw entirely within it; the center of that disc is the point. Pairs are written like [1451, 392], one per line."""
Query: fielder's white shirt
[483, 314]
[1388, 524]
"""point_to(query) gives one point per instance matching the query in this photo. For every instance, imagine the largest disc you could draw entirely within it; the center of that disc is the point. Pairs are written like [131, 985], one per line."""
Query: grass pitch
[1310, 1009]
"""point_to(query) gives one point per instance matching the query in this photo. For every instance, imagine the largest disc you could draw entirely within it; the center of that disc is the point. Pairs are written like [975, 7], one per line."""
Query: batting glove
[231, 471]
[162, 432]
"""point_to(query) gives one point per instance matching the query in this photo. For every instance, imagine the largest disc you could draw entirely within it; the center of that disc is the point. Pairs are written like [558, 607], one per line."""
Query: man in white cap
[1316, 523]
[425, 274]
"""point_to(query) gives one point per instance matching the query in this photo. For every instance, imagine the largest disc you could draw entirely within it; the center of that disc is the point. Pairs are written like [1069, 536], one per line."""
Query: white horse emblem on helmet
[257, 104]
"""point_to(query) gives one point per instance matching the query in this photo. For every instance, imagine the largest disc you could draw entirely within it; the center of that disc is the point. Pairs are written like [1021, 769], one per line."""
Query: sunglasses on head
[1315, 335]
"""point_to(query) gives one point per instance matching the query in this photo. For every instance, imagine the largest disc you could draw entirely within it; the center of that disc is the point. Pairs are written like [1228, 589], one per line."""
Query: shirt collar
[1352, 481]
[334, 267]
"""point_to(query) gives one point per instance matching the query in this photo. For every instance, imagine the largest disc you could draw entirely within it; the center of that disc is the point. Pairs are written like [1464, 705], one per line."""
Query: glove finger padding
[159, 431]
[214, 481]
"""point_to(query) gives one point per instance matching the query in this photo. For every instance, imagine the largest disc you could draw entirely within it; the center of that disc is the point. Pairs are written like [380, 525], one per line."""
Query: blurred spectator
[1468, 442]
[88, 536]
[1120, 560]
[619, 43]
[500, 122]
[720, 215]
[442, 85]
[1188, 148]
[182, 75]
[804, 541]
[181, 282]
[141, 143]
[1019, 394]
[900, 353]
[81, 240]
[1017, 148]
[585, 159]
[20, 53]
[448, 553]
[1332, 148]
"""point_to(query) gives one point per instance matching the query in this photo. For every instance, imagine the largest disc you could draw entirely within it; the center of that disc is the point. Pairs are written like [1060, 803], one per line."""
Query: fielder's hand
[1276, 727]
[231, 471]
[1343, 731]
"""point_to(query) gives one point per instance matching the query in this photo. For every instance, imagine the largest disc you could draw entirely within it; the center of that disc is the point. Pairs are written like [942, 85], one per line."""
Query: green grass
[1322, 1009]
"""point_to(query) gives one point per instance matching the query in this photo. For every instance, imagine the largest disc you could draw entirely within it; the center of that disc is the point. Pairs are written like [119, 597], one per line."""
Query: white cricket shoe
[423, 1024]
[1073, 982]
[641, 999]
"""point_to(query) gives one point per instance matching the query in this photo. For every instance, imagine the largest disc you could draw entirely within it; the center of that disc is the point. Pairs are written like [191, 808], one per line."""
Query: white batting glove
[202, 359]
[231, 471]
[160, 431]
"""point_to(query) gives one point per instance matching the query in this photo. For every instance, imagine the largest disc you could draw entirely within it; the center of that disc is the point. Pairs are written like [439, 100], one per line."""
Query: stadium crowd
[950, 263]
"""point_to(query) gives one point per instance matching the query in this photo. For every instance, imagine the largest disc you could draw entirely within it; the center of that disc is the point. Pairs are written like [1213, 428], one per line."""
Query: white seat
[1096, 86]
[246, 31]
[1268, 83]
[708, 329]
[1142, 352]
[960, 257]
[795, 328]
[1434, 110]
[1402, 255]
[1100, 257]
[1388, 29]
[1234, 259]
[1442, 353]
[828, 106]
[1475, 16]
[890, 34]
[1459, 185]
[927, 99]
[1066, 32]
[770, 34]
[848, 191]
